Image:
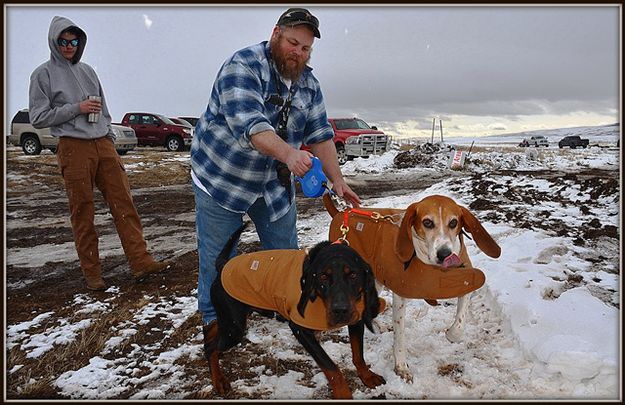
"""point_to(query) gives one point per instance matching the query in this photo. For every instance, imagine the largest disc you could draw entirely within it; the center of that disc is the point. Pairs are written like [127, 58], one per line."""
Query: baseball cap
[297, 16]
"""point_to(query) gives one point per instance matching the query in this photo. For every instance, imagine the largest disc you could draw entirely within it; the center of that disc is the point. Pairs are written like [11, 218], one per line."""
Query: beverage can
[93, 117]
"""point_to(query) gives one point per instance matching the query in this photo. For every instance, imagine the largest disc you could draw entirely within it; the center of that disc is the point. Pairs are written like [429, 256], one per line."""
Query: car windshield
[351, 124]
[166, 120]
[191, 120]
[180, 121]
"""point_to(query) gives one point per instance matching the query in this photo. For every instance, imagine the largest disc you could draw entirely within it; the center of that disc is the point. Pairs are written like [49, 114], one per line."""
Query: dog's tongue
[451, 261]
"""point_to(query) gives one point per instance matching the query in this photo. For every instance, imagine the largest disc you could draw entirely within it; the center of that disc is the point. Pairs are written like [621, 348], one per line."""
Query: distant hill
[604, 134]
[588, 131]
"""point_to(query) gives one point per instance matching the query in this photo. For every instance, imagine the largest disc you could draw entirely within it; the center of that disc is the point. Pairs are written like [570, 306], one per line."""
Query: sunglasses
[64, 42]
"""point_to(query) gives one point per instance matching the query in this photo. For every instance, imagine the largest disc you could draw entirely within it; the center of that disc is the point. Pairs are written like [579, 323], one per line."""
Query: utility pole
[433, 126]
[441, 122]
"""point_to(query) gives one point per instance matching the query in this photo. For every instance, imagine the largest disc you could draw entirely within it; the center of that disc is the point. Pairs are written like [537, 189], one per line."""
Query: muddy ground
[37, 213]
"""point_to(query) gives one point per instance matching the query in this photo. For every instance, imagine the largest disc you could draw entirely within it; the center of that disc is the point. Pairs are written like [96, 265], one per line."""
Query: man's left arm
[326, 152]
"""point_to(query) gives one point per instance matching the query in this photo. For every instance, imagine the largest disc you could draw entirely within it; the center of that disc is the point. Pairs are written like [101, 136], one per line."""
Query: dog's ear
[372, 303]
[312, 253]
[482, 238]
[404, 249]
[307, 284]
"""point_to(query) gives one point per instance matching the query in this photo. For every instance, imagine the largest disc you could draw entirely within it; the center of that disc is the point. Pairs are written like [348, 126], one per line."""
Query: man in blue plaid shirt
[237, 146]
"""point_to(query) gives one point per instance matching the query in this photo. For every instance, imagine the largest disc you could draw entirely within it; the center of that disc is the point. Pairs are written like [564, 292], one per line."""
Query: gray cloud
[385, 64]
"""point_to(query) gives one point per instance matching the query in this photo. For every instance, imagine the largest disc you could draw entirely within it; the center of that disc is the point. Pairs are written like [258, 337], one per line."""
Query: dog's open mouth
[452, 261]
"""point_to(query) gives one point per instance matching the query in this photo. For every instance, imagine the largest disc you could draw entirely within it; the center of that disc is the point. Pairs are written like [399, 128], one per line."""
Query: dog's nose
[442, 253]
[340, 312]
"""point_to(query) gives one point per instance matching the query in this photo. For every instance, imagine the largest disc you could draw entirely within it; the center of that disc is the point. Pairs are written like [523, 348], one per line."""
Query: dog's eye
[428, 223]
[352, 275]
[453, 223]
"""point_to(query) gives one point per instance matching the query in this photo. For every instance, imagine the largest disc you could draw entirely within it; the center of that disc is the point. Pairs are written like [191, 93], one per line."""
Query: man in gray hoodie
[58, 98]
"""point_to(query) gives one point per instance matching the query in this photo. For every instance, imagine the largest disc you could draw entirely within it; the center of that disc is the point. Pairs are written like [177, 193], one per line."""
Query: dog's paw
[370, 379]
[403, 372]
[220, 384]
[454, 335]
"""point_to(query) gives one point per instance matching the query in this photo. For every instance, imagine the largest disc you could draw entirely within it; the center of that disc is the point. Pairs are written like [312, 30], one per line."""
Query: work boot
[210, 331]
[155, 267]
[95, 283]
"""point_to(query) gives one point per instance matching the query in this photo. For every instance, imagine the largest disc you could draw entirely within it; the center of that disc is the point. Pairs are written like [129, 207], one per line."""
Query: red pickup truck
[355, 138]
[158, 130]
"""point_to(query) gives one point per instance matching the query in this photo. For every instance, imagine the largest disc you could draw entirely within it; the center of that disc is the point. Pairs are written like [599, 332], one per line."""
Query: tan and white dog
[423, 257]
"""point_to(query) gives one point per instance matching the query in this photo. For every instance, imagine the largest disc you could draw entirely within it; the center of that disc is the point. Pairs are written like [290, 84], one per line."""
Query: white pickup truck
[536, 141]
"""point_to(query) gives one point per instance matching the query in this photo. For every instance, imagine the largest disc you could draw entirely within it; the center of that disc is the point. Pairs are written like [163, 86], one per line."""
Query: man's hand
[268, 143]
[299, 162]
[343, 190]
[90, 106]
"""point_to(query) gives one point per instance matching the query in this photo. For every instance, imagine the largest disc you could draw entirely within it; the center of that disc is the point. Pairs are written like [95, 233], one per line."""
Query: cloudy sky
[480, 69]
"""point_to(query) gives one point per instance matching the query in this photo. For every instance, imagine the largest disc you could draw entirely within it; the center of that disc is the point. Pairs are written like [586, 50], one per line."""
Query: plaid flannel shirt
[223, 158]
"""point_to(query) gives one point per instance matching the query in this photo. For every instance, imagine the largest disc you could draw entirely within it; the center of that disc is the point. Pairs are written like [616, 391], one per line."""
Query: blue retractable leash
[314, 182]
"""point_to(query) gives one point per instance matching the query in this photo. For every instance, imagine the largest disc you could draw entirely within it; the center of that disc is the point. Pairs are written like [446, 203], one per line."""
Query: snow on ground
[529, 334]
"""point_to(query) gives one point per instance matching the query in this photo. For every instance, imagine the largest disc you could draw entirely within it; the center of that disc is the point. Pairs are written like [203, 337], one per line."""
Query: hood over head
[57, 26]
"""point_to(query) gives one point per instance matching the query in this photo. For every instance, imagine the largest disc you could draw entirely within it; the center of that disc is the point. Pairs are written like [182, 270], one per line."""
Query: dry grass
[156, 176]
[89, 343]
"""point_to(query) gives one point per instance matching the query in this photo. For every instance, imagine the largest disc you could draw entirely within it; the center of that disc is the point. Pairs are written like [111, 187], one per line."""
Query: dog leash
[344, 228]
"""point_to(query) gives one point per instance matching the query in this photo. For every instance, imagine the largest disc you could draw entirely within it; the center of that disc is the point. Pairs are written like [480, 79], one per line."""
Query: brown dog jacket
[375, 240]
[270, 279]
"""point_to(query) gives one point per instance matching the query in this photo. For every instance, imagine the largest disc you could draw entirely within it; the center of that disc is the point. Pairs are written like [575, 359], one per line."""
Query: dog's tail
[224, 255]
[327, 201]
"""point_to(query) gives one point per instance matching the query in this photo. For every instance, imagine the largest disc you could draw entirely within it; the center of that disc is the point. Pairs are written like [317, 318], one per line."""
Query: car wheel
[340, 154]
[53, 150]
[174, 144]
[31, 145]
[122, 152]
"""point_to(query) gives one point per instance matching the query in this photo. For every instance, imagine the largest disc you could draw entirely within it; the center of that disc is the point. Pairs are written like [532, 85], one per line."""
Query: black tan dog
[329, 288]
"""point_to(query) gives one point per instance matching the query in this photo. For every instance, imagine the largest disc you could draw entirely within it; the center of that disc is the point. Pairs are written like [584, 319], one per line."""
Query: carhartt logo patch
[254, 265]
[360, 226]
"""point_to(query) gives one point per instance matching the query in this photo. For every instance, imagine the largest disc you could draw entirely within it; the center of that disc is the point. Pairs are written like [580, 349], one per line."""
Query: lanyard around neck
[281, 128]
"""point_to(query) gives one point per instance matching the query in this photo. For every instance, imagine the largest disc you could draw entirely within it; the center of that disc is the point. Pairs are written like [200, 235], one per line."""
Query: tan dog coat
[376, 240]
[270, 279]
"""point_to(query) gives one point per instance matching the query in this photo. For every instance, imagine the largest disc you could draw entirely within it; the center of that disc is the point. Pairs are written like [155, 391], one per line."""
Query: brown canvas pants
[84, 163]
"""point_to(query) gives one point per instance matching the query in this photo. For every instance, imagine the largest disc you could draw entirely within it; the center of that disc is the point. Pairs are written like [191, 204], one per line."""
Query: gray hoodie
[58, 86]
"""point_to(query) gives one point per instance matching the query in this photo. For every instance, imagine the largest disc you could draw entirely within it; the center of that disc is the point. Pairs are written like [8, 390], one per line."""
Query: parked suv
[33, 140]
[353, 137]
[158, 130]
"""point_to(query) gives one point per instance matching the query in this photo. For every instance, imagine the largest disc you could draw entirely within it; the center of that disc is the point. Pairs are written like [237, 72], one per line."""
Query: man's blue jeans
[215, 224]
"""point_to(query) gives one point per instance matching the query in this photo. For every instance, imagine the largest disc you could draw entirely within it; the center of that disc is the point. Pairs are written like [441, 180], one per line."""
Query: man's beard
[284, 62]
